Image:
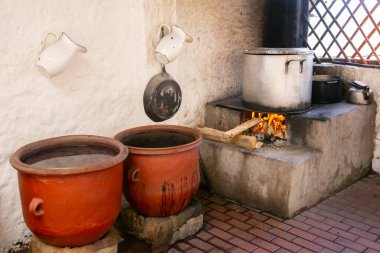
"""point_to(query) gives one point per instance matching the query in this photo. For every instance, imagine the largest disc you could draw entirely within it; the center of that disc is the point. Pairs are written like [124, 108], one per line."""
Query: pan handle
[163, 70]
[288, 62]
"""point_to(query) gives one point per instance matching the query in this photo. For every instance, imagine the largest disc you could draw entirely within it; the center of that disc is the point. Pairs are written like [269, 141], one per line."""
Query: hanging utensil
[162, 97]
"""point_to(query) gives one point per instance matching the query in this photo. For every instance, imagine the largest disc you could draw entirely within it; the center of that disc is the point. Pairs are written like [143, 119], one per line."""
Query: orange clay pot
[70, 187]
[161, 173]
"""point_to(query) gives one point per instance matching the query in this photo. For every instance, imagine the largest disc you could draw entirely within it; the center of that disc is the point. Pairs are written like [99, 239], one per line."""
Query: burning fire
[273, 124]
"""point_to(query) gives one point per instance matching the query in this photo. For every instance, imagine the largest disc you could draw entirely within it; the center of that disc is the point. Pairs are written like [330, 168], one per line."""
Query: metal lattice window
[345, 31]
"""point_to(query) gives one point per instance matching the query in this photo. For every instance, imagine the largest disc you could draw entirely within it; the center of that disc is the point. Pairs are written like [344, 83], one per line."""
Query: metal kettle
[359, 93]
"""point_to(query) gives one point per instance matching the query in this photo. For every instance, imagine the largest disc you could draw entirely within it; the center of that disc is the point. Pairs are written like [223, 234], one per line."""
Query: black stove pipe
[284, 23]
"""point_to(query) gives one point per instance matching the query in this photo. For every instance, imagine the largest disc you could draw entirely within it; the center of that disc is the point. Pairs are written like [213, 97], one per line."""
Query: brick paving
[346, 222]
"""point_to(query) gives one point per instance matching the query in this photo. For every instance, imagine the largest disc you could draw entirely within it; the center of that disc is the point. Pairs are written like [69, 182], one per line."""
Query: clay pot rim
[161, 151]
[67, 141]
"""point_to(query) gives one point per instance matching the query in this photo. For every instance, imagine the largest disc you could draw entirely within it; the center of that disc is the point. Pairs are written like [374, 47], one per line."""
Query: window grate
[344, 31]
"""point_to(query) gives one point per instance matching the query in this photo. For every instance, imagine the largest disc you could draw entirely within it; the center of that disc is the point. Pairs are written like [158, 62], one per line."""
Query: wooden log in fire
[242, 127]
[265, 126]
[245, 141]
[270, 130]
[279, 134]
[213, 134]
[232, 136]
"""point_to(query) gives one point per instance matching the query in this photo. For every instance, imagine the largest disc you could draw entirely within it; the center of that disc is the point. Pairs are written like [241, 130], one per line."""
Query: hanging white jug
[57, 56]
[169, 47]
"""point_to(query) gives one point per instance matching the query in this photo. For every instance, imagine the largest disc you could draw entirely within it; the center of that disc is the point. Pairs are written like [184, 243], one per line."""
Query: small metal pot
[359, 93]
[327, 89]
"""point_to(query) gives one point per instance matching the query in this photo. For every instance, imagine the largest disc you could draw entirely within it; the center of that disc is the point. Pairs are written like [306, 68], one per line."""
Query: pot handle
[366, 93]
[35, 207]
[288, 62]
[133, 174]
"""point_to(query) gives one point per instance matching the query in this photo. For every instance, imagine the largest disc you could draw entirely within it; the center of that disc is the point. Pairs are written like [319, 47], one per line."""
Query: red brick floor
[347, 222]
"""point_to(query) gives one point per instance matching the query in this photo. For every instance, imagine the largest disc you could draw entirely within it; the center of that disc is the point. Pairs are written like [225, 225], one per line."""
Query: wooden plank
[228, 135]
[244, 141]
[213, 134]
[241, 128]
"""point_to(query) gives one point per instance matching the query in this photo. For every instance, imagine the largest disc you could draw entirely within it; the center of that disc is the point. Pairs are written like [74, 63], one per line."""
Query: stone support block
[165, 231]
[107, 244]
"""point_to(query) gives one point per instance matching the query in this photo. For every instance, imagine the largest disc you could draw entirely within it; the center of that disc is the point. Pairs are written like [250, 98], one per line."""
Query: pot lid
[278, 51]
[324, 78]
[359, 84]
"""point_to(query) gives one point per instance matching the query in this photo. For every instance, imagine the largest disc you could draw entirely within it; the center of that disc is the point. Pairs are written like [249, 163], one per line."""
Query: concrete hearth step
[277, 158]
[261, 178]
[293, 154]
[329, 148]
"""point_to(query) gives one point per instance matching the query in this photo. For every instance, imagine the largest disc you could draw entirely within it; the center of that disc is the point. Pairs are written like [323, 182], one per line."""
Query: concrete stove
[329, 148]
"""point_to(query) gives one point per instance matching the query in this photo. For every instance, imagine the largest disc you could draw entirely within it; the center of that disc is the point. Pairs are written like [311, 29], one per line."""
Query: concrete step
[260, 178]
[329, 148]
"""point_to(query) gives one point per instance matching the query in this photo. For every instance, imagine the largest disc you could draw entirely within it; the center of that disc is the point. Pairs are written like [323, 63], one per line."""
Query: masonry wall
[101, 92]
[371, 76]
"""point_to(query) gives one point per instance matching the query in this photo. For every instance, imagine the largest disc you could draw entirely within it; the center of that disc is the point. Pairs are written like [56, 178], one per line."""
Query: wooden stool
[107, 244]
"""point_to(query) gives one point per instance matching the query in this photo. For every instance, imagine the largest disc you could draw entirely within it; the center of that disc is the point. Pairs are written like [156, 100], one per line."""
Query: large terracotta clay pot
[70, 187]
[161, 173]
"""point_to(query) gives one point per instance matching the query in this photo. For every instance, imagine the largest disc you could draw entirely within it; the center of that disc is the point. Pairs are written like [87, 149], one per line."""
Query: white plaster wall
[210, 67]
[101, 92]
[371, 76]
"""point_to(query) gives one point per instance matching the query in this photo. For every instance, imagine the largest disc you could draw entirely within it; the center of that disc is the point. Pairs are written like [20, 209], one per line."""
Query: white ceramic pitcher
[169, 47]
[58, 55]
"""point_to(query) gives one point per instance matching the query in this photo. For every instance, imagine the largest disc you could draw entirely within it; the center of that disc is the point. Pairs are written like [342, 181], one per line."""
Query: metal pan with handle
[162, 97]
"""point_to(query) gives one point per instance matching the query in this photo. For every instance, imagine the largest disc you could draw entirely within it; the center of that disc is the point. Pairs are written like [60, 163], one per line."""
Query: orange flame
[272, 124]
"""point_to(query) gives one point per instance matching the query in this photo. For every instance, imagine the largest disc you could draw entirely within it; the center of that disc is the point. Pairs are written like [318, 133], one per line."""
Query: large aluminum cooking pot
[277, 79]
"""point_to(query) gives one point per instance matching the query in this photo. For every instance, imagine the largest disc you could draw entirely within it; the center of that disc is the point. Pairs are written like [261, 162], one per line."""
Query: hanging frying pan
[162, 97]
